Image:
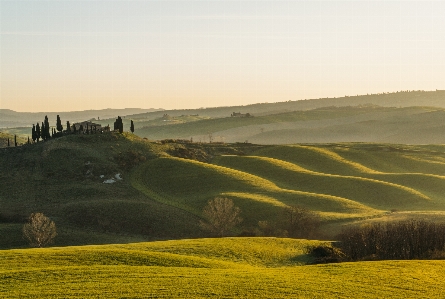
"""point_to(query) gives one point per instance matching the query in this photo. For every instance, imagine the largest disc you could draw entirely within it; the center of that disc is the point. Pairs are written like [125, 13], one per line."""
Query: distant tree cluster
[42, 131]
[410, 239]
[294, 222]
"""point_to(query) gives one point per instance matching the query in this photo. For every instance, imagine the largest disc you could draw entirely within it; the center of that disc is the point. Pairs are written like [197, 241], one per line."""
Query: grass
[209, 268]
[5, 135]
[162, 196]
[188, 185]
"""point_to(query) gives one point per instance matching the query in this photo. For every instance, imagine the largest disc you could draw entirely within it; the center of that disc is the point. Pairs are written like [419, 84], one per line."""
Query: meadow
[162, 194]
[163, 189]
[208, 268]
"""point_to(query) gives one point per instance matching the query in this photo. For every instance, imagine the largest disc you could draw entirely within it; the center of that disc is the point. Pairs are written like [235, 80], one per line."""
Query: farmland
[228, 267]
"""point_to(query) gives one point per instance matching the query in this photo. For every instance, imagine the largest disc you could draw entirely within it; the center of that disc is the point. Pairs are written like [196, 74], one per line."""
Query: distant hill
[12, 119]
[368, 123]
[396, 99]
[119, 188]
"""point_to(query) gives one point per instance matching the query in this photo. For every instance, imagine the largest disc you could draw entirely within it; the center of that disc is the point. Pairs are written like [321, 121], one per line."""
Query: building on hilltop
[239, 114]
[88, 125]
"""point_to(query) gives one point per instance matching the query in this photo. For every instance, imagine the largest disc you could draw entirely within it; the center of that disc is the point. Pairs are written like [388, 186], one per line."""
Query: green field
[161, 196]
[208, 268]
[159, 192]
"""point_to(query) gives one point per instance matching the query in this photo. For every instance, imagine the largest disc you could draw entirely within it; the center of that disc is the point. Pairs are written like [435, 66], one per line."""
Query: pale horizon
[69, 55]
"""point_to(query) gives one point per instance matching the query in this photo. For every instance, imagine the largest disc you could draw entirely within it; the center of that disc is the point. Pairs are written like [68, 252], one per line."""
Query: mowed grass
[209, 268]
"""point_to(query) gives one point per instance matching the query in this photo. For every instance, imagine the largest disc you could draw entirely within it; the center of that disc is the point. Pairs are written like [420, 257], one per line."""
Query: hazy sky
[62, 55]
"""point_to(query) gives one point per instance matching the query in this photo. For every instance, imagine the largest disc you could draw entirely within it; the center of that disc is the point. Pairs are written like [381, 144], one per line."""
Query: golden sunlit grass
[206, 268]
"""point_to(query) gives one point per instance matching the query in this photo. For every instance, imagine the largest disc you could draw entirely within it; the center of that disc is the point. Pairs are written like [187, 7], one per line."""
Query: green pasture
[208, 268]
[161, 196]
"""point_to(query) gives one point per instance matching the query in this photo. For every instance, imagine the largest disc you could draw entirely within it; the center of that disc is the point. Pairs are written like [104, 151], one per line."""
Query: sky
[66, 55]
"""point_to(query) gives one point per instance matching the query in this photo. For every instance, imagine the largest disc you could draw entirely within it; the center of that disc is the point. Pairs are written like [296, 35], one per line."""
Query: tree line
[42, 131]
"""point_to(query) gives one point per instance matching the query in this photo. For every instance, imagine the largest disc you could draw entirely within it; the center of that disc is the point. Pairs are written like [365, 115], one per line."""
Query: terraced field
[209, 268]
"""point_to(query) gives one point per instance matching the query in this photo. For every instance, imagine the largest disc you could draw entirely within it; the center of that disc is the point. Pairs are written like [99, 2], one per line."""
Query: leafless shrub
[221, 215]
[410, 239]
[39, 230]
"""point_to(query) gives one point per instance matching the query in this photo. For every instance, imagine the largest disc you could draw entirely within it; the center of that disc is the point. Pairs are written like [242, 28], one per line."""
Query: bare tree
[221, 215]
[300, 222]
[39, 230]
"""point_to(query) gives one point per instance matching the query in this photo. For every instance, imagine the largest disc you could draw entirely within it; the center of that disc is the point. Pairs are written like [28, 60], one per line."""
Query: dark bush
[323, 254]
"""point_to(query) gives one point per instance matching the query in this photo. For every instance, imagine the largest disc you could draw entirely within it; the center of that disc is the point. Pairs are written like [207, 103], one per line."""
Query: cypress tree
[47, 128]
[59, 124]
[8, 141]
[28, 140]
[37, 132]
[68, 126]
[15, 140]
[33, 135]
[43, 131]
[132, 127]
[118, 125]
[74, 129]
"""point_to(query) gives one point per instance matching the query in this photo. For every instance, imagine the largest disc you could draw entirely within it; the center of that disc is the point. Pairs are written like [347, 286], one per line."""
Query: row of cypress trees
[42, 131]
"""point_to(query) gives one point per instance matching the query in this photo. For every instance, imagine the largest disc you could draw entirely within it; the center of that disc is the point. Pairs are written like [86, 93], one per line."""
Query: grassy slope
[4, 139]
[163, 197]
[417, 167]
[189, 185]
[242, 268]
[61, 178]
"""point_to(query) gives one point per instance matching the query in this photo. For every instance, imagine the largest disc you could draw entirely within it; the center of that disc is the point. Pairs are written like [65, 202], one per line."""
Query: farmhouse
[239, 114]
[87, 125]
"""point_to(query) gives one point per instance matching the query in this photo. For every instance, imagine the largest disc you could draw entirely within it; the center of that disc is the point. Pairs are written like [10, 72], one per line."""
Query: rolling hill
[206, 268]
[409, 125]
[411, 117]
[119, 188]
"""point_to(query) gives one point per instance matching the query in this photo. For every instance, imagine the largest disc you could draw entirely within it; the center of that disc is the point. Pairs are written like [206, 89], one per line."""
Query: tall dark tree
[43, 131]
[47, 128]
[8, 142]
[81, 129]
[74, 129]
[59, 126]
[132, 127]
[118, 125]
[38, 132]
[33, 135]
[68, 126]
[28, 140]
[15, 140]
